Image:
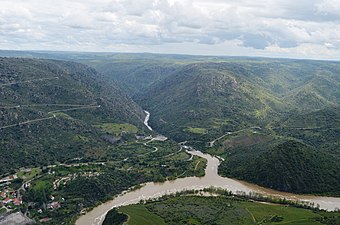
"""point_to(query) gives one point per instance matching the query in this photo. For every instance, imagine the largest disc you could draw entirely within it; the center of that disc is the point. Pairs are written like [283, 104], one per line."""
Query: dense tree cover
[136, 75]
[190, 98]
[320, 129]
[113, 217]
[222, 94]
[206, 97]
[78, 194]
[284, 165]
[128, 165]
[35, 89]
[101, 188]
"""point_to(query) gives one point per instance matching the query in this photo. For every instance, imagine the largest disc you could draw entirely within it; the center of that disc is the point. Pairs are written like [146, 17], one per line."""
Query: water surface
[211, 178]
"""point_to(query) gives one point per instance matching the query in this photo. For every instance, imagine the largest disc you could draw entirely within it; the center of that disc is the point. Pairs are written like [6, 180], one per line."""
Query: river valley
[212, 178]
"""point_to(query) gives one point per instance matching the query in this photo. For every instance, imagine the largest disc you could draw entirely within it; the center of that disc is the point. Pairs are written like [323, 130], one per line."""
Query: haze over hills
[70, 139]
[202, 98]
[170, 112]
[262, 90]
[292, 103]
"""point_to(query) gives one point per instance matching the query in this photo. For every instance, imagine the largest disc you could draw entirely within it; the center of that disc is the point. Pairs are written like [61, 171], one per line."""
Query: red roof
[17, 201]
[45, 219]
[7, 200]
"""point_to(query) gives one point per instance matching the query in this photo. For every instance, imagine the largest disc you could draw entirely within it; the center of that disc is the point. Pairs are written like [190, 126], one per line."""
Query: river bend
[152, 190]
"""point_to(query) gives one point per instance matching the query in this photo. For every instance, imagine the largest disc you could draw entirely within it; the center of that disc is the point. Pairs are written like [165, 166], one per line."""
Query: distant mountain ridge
[275, 121]
[294, 104]
[226, 90]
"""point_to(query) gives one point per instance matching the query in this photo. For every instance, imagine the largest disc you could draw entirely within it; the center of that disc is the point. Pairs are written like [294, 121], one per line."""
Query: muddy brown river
[211, 178]
[152, 190]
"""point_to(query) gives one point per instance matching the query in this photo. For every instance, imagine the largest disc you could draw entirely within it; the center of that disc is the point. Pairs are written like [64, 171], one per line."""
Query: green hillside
[320, 129]
[221, 94]
[251, 107]
[300, 154]
[215, 96]
[284, 165]
[134, 75]
[294, 102]
[49, 110]
[219, 210]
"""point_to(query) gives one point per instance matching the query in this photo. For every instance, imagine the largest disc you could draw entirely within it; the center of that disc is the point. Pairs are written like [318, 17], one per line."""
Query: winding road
[152, 190]
[212, 143]
[74, 107]
[212, 178]
[51, 112]
[28, 81]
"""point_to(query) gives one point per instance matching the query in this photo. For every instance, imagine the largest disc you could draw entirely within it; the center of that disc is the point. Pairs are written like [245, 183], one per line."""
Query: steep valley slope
[293, 104]
[49, 111]
[274, 121]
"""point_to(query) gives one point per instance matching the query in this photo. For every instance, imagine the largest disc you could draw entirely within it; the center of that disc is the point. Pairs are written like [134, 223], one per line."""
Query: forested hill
[285, 165]
[49, 110]
[274, 121]
[245, 110]
[230, 96]
[201, 97]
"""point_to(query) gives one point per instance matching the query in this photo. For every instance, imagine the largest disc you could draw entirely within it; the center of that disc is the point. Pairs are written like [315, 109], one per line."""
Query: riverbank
[211, 178]
[152, 190]
[219, 207]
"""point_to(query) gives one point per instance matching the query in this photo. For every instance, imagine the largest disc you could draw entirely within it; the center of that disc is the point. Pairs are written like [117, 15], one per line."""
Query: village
[15, 202]
[10, 198]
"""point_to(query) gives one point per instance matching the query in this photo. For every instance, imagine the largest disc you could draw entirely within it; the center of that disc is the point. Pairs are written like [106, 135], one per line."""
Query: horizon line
[169, 54]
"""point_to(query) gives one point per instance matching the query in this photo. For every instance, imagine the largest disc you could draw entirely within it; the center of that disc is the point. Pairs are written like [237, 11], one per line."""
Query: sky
[269, 28]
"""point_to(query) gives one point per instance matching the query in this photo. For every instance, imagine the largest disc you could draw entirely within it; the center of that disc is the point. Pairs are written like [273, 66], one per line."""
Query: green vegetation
[29, 175]
[202, 98]
[118, 129]
[224, 210]
[196, 130]
[219, 123]
[319, 129]
[188, 91]
[63, 115]
[81, 185]
[71, 92]
[3, 210]
[279, 163]
[266, 214]
[16, 184]
[139, 215]
[244, 92]
[278, 123]
[113, 217]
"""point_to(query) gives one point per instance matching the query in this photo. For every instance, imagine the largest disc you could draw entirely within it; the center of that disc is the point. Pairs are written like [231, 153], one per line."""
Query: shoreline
[152, 190]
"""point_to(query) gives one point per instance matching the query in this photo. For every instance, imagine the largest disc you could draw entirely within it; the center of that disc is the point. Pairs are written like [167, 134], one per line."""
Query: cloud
[329, 8]
[262, 27]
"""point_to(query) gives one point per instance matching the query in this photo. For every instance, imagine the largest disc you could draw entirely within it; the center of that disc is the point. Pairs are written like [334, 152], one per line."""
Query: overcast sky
[276, 28]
